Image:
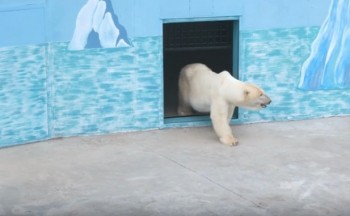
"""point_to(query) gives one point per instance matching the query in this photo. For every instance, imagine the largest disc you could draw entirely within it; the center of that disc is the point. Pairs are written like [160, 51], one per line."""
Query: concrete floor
[290, 168]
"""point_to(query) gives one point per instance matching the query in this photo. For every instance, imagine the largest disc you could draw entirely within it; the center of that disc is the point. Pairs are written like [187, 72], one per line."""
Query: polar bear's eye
[261, 94]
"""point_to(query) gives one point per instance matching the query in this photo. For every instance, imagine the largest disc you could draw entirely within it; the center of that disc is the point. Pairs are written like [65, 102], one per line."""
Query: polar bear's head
[254, 97]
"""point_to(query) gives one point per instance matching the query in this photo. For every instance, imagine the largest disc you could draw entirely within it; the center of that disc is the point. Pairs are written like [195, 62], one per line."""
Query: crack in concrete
[215, 183]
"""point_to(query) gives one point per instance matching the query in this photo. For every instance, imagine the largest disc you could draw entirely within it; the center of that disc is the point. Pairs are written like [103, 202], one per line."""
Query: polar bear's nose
[264, 105]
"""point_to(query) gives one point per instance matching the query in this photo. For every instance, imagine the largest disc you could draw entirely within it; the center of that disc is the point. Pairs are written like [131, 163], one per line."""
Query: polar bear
[203, 90]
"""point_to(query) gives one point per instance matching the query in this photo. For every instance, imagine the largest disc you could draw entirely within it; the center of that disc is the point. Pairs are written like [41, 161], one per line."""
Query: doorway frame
[203, 119]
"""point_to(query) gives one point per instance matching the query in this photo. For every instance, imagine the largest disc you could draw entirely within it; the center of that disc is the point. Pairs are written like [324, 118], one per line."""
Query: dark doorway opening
[214, 43]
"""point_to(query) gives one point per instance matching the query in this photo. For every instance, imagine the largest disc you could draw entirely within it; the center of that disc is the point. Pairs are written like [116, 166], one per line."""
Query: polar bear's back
[197, 83]
[198, 74]
[195, 67]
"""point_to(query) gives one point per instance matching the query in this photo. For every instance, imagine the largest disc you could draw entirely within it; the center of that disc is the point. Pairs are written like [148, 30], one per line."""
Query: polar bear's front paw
[229, 140]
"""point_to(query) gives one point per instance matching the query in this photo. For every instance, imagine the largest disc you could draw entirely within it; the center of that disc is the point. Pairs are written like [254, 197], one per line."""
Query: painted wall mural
[97, 26]
[48, 91]
[328, 66]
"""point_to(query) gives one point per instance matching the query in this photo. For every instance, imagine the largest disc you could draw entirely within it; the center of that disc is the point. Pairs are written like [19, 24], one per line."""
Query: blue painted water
[273, 60]
[48, 91]
[106, 90]
[23, 95]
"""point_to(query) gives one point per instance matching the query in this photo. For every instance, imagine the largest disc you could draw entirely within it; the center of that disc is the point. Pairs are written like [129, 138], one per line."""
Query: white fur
[218, 93]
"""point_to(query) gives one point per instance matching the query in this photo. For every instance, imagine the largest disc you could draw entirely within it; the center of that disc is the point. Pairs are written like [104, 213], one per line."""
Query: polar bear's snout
[264, 101]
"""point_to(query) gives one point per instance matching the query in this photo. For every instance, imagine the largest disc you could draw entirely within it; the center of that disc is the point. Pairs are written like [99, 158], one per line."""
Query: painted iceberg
[97, 26]
[328, 66]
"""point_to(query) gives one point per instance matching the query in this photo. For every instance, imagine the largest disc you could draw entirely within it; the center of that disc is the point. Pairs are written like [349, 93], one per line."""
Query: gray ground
[289, 168]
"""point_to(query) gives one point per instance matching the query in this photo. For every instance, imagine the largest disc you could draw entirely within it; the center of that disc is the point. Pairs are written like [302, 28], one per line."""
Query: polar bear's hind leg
[184, 108]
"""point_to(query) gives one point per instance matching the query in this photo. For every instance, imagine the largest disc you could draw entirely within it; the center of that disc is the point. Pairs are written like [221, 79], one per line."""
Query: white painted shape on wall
[99, 15]
[108, 32]
[83, 25]
[122, 43]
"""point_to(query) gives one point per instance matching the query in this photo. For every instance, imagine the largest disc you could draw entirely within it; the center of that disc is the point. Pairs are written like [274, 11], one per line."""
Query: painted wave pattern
[328, 66]
[49, 91]
[106, 90]
[23, 96]
[273, 60]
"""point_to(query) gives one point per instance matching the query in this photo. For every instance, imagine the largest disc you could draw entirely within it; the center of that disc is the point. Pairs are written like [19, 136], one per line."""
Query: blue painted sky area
[22, 26]
[39, 21]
